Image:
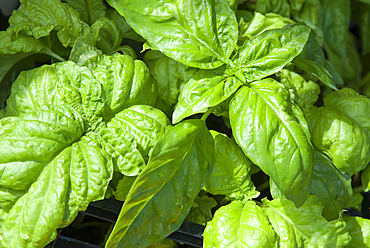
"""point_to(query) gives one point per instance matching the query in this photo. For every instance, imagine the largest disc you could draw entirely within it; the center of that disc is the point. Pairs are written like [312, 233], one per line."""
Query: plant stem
[206, 114]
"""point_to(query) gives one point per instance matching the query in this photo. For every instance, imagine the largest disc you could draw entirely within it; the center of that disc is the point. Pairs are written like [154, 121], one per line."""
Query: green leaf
[270, 51]
[259, 24]
[77, 176]
[336, 18]
[340, 137]
[305, 93]
[164, 192]
[125, 82]
[365, 179]
[304, 226]
[362, 19]
[107, 34]
[268, 131]
[198, 96]
[84, 52]
[206, 32]
[146, 124]
[29, 142]
[230, 175]
[123, 188]
[312, 60]
[89, 10]
[359, 229]
[164, 243]
[331, 187]
[280, 7]
[239, 225]
[38, 18]
[200, 212]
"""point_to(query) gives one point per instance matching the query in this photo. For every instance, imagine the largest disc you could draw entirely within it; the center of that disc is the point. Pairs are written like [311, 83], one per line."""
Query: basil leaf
[125, 82]
[331, 187]
[340, 137]
[75, 177]
[259, 24]
[164, 192]
[205, 38]
[280, 7]
[270, 51]
[230, 175]
[365, 179]
[200, 212]
[29, 142]
[304, 226]
[359, 229]
[336, 18]
[239, 225]
[89, 10]
[33, 17]
[312, 60]
[107, 34]
[198, 96]
[265, 127]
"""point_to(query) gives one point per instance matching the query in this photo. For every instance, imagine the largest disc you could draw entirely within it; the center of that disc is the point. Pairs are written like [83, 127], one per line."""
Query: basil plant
[87, 117]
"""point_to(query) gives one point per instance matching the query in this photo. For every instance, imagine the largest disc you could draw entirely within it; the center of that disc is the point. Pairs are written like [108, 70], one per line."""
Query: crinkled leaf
[259, 24]
[77, 176]
[230, 174]
[304, 226]
[107, 34]
[164, 192]
[197, 33]
[84, 52]
[239, 225]
[305, 92]
[200, 212]
[359, 229]
[198, 96]
[125, 82]
[340, 137]
[89, 10]
[331, 187]
[270, 51]
[38, 18]
[145, 123]
[29, 142]
[280, 7]
[312, 60]
[268, 131]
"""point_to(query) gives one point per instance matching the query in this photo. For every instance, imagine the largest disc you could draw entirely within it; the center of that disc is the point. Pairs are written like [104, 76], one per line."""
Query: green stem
[206, 114]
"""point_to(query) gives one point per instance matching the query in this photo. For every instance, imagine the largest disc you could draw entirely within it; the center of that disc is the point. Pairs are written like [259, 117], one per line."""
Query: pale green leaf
[359, 229]
[89, 10]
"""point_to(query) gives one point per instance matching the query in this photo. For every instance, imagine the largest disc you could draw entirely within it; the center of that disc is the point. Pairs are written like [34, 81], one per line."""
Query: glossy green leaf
[280, 7]
[305, 93]
[29, 142]
[312, 60]
[336, 18]
[84, 52]
[198, 96]
[125, 82]
[331, 187]
[200, 212]
[34, 18]
[164, 192]
[268, 131]
[239, 225]
[359, 229]
[205, 31]
[304, 226]
[309, 12]
[230, 175]
[340, 137]
[108, 35]
[77, 176]
[270, 51]
[89, 10]
[259, 24]
[145, 123]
